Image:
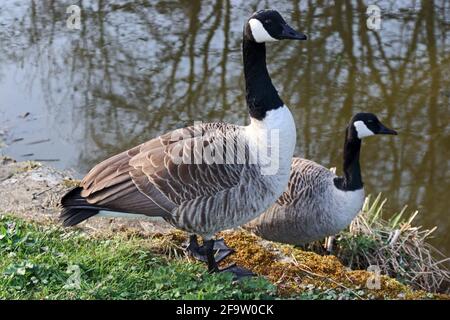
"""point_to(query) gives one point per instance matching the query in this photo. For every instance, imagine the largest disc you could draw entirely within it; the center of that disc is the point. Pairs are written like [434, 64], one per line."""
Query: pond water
[137, 69]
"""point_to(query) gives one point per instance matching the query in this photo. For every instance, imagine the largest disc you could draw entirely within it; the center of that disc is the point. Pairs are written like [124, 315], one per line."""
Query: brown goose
[173, 177]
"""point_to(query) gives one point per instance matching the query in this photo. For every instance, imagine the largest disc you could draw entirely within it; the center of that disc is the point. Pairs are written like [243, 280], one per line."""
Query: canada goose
[203, 197]
[317, 203]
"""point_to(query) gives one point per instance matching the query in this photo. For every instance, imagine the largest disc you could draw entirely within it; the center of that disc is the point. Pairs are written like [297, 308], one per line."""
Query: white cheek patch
[259, 33]
[362, 129]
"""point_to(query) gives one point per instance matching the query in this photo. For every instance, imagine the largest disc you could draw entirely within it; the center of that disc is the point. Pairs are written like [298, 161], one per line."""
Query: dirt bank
[32, 191]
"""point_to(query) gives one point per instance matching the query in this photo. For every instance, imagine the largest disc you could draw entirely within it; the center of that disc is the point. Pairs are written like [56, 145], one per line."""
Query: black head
[269, 25]
[364, 125]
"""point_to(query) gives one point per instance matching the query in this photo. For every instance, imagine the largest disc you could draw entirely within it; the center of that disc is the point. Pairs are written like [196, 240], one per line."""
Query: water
[136, 70]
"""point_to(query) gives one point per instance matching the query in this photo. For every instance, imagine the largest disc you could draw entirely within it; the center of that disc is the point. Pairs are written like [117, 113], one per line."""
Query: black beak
[386, 130]
[289, 33]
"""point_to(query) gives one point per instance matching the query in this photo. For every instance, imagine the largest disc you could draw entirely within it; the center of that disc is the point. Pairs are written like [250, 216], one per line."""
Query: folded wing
[159, 175]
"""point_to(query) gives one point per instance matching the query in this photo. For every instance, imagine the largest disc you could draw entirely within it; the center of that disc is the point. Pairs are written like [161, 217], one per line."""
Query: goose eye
[268, 21]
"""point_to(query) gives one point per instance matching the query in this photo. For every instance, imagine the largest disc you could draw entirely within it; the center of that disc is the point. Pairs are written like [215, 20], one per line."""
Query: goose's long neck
[352, 171]
[261, 95]
[272, 129]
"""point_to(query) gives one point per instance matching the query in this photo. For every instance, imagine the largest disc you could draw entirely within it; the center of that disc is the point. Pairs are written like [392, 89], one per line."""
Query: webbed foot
[238, 272]
[221, 250]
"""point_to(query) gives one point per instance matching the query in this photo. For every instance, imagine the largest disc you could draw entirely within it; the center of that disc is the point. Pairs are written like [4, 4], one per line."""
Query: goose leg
[238, 272]
[195, 250]
[221, 250]
[209, 250]
[329, 244]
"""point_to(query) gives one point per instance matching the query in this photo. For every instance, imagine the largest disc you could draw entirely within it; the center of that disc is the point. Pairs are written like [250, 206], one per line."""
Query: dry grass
[398, 248]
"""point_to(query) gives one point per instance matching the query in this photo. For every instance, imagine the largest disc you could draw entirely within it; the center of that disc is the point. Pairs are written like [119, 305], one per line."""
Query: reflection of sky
[133, 73]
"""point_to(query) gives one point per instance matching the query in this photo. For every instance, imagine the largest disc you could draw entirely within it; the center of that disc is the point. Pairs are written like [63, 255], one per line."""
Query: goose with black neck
[266, 109]
[202, 197]
[316, 202]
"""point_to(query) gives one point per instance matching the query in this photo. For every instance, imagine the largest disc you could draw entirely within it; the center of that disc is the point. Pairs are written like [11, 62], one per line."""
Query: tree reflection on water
[137, 69]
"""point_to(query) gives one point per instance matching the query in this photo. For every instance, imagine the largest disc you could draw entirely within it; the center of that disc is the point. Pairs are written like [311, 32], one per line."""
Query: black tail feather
[75, 208]
[73, 197]
[71, 217]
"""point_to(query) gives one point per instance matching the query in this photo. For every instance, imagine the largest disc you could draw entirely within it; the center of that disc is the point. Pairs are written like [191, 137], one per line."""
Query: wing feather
[306, 180]
[149, 179]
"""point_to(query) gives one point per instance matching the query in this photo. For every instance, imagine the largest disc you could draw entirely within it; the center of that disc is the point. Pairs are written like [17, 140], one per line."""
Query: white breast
[345, 205]
[272, 141]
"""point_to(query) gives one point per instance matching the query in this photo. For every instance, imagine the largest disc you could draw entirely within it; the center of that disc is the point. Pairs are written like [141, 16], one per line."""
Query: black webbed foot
[238, 272]
[221, 250]
[195, 250]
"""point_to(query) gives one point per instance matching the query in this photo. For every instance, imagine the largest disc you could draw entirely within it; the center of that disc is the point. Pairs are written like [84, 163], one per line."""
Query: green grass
[45, 262]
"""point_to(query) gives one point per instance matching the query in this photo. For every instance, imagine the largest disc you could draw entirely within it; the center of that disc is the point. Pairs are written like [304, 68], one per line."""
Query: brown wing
[110, 185]
[150, 179]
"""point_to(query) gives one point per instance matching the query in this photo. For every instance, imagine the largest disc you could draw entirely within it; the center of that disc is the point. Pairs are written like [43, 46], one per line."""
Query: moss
[248, 253]
[298, 273]
[294, 272]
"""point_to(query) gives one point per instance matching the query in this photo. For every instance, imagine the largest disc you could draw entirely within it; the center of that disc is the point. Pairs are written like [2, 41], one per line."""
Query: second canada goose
[317, 203]
[171, 176]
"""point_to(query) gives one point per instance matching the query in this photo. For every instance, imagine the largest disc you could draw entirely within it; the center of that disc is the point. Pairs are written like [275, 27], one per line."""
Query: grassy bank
[48, 262]
[117, 259]
[44, 262]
